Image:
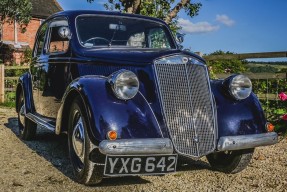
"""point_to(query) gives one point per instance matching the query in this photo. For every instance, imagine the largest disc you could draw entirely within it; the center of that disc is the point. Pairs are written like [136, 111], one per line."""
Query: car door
[53, 68]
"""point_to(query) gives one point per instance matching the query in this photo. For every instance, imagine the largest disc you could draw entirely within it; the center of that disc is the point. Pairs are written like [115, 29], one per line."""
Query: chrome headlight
[125, 84]
[240, 87]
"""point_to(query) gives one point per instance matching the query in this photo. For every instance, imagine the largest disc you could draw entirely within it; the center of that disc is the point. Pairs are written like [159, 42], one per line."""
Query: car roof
[75, 13]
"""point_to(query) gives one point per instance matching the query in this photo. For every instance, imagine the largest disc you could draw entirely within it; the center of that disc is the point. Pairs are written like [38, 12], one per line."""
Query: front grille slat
[188, 107]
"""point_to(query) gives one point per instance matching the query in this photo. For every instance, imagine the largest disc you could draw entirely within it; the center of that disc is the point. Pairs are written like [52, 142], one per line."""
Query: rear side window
[40, 40]
[58, 37]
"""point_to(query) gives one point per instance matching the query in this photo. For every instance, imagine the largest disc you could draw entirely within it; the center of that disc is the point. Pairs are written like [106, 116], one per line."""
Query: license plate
[139, 165]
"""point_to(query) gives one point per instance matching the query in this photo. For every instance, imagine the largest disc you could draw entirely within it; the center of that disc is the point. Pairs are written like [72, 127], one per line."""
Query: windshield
[108, 31]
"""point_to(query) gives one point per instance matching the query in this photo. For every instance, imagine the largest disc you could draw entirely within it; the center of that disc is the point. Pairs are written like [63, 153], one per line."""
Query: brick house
[14, 43]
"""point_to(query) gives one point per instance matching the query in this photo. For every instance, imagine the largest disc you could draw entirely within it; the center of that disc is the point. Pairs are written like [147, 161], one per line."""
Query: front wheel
[80, 145]
[230, 161]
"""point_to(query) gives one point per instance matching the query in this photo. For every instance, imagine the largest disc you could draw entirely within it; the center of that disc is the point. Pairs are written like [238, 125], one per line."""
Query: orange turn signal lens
[112, 135]
[270, 127]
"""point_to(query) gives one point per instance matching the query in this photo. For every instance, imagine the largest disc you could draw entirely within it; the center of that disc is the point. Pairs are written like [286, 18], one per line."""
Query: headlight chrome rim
[240, 87]
[125, 84]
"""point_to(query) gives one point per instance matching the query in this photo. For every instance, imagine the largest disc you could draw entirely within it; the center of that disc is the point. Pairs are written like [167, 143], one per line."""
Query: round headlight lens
[240, 87]
[125, 84]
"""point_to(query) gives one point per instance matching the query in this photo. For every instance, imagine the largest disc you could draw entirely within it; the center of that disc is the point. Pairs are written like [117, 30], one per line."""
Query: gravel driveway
[43, 165]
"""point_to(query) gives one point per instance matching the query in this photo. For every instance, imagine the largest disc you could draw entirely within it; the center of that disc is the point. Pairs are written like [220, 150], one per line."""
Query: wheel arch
[25, 85]
[63, 114]
[132, 118]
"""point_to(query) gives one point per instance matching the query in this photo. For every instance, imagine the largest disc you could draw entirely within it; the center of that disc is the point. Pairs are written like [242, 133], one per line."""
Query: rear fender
[131, 119]
[237, 117]
[25, 85]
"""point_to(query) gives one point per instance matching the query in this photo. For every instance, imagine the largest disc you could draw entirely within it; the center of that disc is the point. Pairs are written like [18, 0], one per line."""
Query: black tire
[85, 171]
[27, 128]
[230, 161]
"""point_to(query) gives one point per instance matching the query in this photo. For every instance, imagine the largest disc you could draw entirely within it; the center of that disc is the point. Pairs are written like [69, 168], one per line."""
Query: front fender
[237, 117]
[25, 85]
[131, 119]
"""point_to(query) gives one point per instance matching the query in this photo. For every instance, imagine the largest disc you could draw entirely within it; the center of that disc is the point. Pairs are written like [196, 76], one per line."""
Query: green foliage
[226, 66]
[19, 10]
[273, 109]
[166, 10]
[10, 104]
[263, 69]
[27, 56]
[10, 97]
[14, 72]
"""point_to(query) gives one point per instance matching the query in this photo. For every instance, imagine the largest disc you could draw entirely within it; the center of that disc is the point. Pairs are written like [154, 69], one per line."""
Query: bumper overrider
[164, 145]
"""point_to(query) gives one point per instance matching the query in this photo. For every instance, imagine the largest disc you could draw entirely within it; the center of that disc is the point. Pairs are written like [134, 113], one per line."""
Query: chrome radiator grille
[188, 108]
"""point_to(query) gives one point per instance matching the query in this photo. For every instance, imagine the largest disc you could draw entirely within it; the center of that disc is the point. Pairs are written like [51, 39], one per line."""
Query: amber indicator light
[112, 135]
[270, 127]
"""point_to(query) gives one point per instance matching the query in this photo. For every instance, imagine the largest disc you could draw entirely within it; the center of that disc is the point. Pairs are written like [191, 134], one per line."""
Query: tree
[166, 10]
[15, 10]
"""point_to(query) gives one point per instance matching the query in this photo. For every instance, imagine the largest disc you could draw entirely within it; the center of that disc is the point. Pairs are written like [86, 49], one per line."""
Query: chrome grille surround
[188, 105]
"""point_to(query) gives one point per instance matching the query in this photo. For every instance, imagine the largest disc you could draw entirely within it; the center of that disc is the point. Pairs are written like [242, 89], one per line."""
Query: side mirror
[64, 32]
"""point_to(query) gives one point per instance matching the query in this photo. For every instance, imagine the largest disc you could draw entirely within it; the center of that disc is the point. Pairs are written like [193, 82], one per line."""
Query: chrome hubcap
[78, 140]
[22, 113]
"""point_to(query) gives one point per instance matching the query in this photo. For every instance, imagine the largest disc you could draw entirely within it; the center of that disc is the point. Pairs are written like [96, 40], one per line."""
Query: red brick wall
[28, 36]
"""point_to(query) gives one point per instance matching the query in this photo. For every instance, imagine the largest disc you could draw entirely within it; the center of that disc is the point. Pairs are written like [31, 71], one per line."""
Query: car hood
[129, 56]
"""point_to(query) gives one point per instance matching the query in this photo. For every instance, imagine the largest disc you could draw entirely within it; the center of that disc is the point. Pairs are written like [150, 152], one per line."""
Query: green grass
[10, 104]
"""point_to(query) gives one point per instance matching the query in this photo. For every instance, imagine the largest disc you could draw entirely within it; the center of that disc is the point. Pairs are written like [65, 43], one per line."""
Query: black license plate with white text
[139, 165]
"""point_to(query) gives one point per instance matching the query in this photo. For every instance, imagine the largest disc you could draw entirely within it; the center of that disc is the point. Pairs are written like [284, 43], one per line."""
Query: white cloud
[225, 20]
[200, 27]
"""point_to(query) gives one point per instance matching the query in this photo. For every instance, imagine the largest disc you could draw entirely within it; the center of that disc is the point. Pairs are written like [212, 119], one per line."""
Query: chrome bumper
[136, 146]
[228, 143]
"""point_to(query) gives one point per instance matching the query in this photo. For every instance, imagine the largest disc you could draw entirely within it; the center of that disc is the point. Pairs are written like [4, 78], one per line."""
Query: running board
[40, 121]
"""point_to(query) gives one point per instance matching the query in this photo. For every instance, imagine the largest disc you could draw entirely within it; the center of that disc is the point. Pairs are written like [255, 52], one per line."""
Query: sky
[239, 26]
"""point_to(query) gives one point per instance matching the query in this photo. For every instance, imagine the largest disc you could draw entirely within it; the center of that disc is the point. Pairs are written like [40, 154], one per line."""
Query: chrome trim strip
[136, 146]
[152, 113]
[40, 121]
[246, 141]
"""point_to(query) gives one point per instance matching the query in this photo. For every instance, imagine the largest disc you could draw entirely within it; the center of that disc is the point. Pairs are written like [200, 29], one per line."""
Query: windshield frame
[168, 33]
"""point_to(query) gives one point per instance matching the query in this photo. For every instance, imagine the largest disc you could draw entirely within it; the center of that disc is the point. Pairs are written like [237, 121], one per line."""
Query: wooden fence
[247, 56]
[4, 85]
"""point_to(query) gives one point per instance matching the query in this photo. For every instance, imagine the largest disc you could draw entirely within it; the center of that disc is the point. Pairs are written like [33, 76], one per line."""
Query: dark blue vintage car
[131, 102]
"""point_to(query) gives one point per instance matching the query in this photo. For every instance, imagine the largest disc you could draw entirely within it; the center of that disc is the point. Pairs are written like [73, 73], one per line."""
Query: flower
[284, 117]
[282, 96]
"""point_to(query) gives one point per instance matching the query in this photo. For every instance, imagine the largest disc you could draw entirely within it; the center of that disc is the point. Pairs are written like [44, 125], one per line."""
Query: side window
[59, 35]
[40, 40]
[158, 39]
